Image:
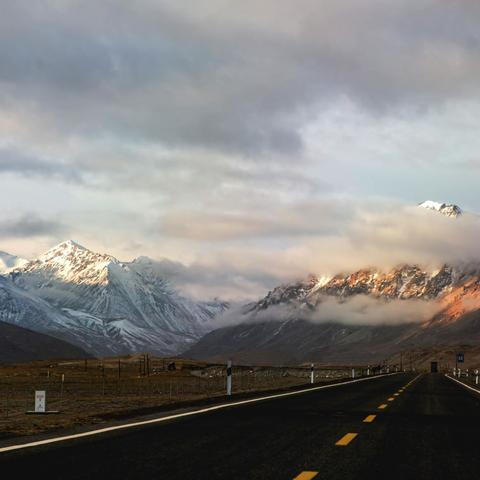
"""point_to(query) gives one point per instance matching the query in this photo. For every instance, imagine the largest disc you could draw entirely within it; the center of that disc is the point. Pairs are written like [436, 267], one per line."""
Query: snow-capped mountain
[403, 282]
[9, 262]
[447, 209]
[104, 305]
[279, 327]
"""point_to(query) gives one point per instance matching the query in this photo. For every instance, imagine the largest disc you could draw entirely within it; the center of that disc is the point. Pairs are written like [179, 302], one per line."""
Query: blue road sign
[460, 357]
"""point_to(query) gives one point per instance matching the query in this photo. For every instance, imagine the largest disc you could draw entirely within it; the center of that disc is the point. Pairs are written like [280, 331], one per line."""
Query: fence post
[61, 388]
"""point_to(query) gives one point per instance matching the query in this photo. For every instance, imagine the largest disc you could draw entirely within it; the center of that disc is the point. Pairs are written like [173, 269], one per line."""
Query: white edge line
[181, 415]
[476, 390]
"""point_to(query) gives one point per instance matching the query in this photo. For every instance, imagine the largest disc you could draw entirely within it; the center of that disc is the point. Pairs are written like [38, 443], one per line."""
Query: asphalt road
[428, 430]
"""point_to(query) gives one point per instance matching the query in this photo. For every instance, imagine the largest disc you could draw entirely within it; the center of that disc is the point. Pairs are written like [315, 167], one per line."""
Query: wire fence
[97, 389]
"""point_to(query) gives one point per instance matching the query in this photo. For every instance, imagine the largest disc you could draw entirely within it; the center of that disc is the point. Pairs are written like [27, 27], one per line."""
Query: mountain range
[101, 304]
[361, 316]
[108, 307]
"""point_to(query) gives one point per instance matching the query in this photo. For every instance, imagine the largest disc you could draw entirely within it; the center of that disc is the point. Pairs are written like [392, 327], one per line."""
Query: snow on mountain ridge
[10, 262]
[131, 305]
[447, 209]
[71, 262]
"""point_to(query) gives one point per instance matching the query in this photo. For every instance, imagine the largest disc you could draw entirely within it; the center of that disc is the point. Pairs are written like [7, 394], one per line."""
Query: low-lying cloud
[358, 310]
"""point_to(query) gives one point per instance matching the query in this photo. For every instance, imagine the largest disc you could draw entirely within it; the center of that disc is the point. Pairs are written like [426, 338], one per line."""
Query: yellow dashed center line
[346, 439]
[306, 476]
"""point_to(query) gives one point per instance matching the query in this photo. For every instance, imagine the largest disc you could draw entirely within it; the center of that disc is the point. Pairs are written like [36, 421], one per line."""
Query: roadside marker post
[312, 375]
[41, 404]
[229, 378]
[40, 401]
[476, 377]
[353, 373]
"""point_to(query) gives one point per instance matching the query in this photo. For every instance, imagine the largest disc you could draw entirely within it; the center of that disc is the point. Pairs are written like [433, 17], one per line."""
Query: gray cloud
[14, 161]
[31, 226]
[229, 77]
[314, 218]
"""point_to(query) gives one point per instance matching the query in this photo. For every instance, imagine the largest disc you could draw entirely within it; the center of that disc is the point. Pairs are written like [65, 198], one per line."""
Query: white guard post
[229, 378]
[311, 373]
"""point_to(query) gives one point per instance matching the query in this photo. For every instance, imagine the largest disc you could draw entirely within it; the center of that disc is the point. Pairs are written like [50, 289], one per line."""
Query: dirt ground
[94, 391]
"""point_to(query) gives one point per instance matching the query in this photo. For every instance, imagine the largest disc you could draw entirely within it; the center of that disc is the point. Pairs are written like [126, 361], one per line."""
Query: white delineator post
[312, 376]
[229, 378]
[368, 371]
[353, 373]
[476, 377]
[40, 401]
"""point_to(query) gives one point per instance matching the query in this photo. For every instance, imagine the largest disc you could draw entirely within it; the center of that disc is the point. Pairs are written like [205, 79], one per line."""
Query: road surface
[397, 427]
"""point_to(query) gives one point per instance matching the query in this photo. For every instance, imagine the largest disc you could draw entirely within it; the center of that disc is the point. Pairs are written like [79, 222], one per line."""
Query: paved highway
[397, 427]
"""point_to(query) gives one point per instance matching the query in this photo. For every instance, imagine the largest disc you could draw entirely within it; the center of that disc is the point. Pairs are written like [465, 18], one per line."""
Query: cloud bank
[251, 143]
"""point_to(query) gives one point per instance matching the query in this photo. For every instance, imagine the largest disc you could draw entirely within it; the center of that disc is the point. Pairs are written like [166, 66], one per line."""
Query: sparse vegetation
[95, 390]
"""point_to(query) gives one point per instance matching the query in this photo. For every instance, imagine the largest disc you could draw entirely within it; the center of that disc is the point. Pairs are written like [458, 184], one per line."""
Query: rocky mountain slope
[101, 304]
[22, 345]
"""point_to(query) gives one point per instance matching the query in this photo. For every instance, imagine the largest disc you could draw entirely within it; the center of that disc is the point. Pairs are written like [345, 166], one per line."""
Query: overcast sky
[252, 141]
